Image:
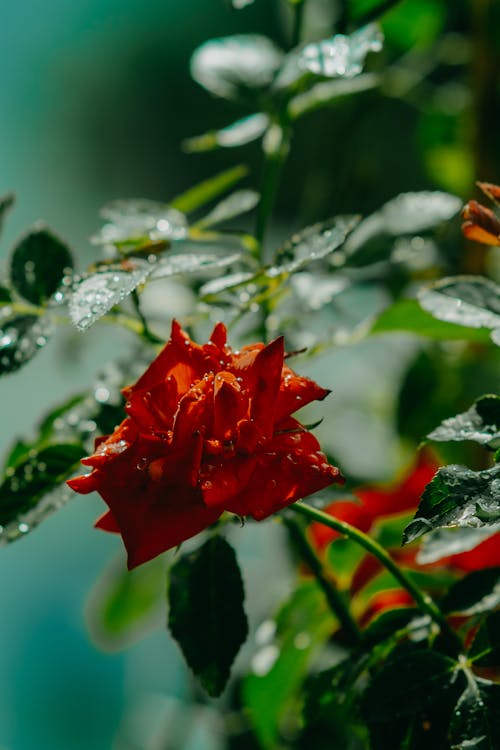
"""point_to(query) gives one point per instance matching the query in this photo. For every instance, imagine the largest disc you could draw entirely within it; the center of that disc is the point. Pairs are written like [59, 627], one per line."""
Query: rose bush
[208, 430]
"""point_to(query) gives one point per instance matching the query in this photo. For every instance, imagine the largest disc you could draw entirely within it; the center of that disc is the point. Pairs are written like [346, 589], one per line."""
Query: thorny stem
[334, 599]
[423, 600]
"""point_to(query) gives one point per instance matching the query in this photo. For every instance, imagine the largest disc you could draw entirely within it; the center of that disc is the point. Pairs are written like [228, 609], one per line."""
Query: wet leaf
[99, 293]
[326, 93]
[210, 189]
[315, 290]
[189, 263]
[457, 496]
[341, 55]
[406, 315]
[6, 203]
[38, 264]
[280, 664]
[410, 213]
[138, 221]
[432, 685]
[236, 67]
[239, 202]
[124, 606]
[480, 423]
[239, 4]
[485, 648]
[445, 542]
[311, 244]
[407, 214]
[206, 614]
[21, 337]
[239, 133]
[224, 283]
[26, 496]
[476, 593]
[467, 300]
[475, 722]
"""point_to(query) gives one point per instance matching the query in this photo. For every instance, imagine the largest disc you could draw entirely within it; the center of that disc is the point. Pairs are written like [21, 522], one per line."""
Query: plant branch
[334, 599]
[298, 8]
[423, 600]
[146, 332]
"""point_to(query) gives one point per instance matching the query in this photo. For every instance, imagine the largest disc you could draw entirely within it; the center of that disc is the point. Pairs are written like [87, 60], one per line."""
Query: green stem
[333, 597]
[299, 6]
[276, 147]
[423, 600]
[146, 332]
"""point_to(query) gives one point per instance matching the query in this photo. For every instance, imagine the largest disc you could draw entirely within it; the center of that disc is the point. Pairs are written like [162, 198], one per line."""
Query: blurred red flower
[481, 224]
[375, 504]
[208, 430]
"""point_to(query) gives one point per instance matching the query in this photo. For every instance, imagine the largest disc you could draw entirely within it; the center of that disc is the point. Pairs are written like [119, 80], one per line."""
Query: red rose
[208, 430]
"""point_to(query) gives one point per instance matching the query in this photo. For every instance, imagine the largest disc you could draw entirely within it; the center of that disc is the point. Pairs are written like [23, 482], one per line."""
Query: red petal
[230, 406]
[292, 467]
[295, 392]
[263, 378]
[181, 358]
[107, 522]
[225, 480]
[219, 336]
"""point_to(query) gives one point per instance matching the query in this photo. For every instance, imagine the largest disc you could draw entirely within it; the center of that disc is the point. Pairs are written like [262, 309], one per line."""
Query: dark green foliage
[33, 476]
[21, 336]
[480, 423]
[206, 614]
[457, 496]
[476, 593]
[485, 649]
[409, 701]
[38, 264]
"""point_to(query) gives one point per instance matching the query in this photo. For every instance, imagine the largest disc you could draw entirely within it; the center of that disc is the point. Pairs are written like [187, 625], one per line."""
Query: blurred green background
[95, 101]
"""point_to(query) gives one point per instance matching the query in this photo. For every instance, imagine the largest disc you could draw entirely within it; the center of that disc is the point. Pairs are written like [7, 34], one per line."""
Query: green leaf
[445, 542]
[239, 202]
[124, 605]
[407, 214]
[210, 189]
[480, 423]
[5, 295]
[341, 56]
[24, 501]
[467, 300]
[407, 316]
[476, 593]
[311, 244]
[326, 93]
[281, 663]
[476, 719]
[21, 337]
[415, 689]
[6, 203]
[236, 67]
[38, 264]
[206, 615]
[236, 134]
[139, 221]
[97, 294]
[189, 263]
[457, 496]
[232, 281]
[485, 648]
